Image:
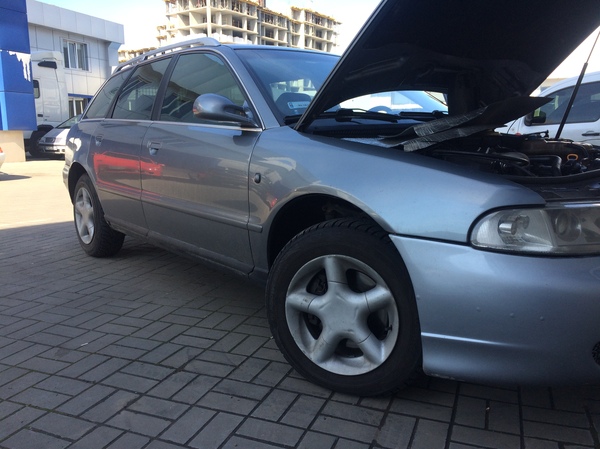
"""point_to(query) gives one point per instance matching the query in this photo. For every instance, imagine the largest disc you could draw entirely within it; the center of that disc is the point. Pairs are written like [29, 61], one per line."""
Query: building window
[77, 106]
[76, 55]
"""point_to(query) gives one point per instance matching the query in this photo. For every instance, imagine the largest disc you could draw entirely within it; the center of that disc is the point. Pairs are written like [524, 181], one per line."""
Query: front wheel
[342, 310]
[33, 147]
[95, 236]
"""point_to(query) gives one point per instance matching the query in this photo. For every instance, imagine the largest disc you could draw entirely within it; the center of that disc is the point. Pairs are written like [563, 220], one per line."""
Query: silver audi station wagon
[394, 230]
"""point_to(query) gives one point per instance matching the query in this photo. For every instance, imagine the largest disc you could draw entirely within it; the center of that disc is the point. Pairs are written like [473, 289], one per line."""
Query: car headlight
[562, 229]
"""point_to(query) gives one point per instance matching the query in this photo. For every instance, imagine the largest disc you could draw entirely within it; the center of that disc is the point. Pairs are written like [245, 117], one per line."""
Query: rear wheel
[95, 236]
[342, 310]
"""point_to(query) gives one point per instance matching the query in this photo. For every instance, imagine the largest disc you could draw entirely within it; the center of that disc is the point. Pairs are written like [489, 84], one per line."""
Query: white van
[50, 93]
[583, 124]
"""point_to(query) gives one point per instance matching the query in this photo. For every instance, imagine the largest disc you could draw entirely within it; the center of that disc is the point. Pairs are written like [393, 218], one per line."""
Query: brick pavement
[151, 350]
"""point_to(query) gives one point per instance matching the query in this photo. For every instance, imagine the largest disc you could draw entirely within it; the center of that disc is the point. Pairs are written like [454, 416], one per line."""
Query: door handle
[98, 140]
[591, 134]
[153, 147]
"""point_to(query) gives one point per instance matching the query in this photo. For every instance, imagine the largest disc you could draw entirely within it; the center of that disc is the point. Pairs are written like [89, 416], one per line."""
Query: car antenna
[575, 90]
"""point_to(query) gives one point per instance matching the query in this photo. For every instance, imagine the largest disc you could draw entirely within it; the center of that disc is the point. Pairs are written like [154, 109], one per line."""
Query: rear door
[195, 172]
[117, 143]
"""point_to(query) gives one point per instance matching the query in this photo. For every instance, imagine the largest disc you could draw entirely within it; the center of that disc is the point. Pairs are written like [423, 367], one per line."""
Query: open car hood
[476, 52]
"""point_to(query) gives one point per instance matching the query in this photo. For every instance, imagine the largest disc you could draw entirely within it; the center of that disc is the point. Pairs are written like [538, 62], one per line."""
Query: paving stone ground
[152, 350]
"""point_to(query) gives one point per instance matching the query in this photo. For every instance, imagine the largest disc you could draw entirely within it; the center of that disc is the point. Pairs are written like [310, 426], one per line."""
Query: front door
[195, 173]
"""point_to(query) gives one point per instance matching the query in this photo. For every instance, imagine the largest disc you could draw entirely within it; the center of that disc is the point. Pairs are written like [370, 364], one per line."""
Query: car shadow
[9, 177]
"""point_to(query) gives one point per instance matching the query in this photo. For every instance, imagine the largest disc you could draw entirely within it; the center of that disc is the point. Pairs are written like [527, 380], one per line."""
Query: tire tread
[106, 241]
[372, 231]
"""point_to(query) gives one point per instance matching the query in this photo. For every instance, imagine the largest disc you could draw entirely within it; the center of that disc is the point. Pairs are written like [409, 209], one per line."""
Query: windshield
[69, 122]
[288, 79]
[398, 102]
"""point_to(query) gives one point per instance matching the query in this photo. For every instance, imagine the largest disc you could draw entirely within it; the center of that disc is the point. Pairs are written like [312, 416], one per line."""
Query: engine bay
[556, 168]
[519, 156]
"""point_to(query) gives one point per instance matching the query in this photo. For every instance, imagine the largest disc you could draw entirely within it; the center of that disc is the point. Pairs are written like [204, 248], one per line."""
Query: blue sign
[17, 105]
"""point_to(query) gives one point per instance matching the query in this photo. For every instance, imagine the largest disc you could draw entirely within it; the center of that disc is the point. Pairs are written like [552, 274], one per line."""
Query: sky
[141, 17]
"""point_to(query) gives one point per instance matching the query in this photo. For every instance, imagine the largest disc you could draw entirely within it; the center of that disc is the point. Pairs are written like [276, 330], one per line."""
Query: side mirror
[222, 109]
[535, 118]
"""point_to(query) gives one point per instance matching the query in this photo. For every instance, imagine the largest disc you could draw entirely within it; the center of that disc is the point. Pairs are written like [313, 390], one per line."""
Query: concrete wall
[12, 145]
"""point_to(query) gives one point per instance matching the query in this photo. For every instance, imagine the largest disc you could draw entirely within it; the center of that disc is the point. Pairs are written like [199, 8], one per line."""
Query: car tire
[33, 147]
[95, 236]
[34, 152]
[342, 309]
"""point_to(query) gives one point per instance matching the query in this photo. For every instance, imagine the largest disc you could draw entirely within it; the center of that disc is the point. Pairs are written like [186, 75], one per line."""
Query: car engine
[517, 155]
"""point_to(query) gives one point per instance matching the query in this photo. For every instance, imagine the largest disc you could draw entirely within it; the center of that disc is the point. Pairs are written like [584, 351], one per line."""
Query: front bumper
[52, 149]
[505, 319]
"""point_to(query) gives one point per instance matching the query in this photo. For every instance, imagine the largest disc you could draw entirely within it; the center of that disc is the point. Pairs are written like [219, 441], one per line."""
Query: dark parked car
[393, 228]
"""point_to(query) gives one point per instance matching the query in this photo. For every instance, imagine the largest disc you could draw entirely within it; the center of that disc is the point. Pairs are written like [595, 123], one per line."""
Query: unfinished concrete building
[248, 22]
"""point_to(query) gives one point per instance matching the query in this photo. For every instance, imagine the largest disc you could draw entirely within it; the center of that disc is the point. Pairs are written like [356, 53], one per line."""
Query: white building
[89, 45]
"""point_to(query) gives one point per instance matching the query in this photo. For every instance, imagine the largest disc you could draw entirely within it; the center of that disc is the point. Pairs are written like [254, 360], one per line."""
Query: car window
[586, 107]
[98, 108]
[137, 96]
[288, 79]
[398, 101]
[196, 74]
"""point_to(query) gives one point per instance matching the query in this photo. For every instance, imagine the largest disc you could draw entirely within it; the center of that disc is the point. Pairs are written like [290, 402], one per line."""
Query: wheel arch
[303, 212]
[75, 172]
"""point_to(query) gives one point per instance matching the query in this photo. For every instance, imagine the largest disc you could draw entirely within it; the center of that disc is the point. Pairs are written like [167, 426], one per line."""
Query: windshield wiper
[346, 115]
[291, 119]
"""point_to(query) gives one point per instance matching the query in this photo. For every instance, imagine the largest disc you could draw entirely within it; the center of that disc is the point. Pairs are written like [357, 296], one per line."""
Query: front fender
[406, 193]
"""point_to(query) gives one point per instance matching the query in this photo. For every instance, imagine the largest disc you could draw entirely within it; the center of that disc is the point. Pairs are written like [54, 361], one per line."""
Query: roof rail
[195, 42]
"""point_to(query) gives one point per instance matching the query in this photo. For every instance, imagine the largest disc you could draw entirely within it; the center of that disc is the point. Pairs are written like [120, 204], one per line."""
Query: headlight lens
[569, 229]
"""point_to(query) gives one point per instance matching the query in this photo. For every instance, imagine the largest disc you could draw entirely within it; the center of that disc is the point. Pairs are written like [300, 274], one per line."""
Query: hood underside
[476, 52]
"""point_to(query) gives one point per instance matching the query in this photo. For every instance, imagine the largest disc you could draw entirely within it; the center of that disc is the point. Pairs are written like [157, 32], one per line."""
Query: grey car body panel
[405, 193]
[119, 190]
[518, 326]
[200, 197]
